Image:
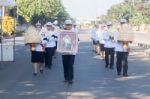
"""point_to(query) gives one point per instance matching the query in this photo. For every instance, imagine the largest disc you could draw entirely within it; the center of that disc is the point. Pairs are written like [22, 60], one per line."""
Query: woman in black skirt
[38, 52]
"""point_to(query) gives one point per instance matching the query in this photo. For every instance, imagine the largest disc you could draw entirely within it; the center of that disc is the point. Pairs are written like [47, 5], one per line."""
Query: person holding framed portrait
[68, 46]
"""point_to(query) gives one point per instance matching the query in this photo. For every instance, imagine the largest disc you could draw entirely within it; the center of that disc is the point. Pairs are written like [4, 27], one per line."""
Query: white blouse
[108, 42]
[51, 41]
[40, 47]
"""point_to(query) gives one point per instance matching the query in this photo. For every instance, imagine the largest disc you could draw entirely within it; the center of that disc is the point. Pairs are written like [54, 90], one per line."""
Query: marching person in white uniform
[122, 53]
[109, 46]
[101, 40]
[56, 31]
[75, 27]
[94, 37]
[56, 37]
[50, 45]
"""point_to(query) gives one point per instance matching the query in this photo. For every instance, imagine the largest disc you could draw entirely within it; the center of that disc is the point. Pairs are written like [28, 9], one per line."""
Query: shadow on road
[92, 79]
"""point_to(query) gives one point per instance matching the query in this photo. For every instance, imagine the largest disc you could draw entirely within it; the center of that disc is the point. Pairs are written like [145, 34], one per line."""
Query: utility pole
[3, 11]
[132, 7]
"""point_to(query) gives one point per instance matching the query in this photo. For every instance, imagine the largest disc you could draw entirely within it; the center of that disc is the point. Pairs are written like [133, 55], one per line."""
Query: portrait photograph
[67, 42]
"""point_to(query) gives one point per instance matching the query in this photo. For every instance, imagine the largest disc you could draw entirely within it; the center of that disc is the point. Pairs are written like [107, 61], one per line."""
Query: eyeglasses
[38, 26]
[48, 25]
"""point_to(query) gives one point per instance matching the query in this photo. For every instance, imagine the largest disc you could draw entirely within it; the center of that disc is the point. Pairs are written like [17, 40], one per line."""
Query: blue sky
[88, 8]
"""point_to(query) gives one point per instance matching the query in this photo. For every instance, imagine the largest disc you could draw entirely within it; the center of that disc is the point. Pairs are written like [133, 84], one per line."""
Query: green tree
[43, 10]
[137, 19]
[137, 11]
[62, 16]
[118, 11]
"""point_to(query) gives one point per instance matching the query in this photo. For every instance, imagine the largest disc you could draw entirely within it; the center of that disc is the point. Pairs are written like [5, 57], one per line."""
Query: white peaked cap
[38, 24]
[74, 23]
[123, 20]
[68, 22]
[49, 23]
[53, 26]
[109, 23]
[55, 22]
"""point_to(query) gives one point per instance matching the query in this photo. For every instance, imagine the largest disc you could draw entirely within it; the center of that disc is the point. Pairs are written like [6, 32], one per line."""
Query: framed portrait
[67, 42]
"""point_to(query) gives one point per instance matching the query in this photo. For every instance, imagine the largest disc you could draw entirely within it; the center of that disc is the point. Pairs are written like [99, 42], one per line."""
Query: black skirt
[102, 47]
[95, 42]
[37, 57]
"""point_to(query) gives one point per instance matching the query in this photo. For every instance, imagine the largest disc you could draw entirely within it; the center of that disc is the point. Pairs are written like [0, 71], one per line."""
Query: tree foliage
[135, 11]
[137, 19]
[41, 10]
[118, 11]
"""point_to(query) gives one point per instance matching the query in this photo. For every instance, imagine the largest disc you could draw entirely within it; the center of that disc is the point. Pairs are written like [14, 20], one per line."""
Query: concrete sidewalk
[92, 79]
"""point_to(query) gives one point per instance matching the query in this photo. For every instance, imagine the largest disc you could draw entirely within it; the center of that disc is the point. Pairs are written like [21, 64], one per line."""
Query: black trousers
[122, 62]
[48, 56]
[55, 48]
[68, 62]
[109, 60]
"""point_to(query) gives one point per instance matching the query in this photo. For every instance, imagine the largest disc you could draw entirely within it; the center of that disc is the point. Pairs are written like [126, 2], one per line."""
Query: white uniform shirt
[56, 35]
[93, 34]
[101, 36]
[76, 30]
[40, 47]
[57, 29]
[51, 40]
[108, 42]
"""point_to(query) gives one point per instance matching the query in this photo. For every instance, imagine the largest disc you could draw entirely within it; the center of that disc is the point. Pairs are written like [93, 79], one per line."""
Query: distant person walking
[109, 46]
[94, 38]
[101, 40]
[122, 51]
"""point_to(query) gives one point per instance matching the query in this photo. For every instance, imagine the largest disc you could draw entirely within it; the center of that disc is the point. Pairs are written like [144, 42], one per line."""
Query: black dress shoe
[35, 74]
[46, 66]
[106, 66]
[125, 75]
[70, 82]
[49, 67]
[41, 71]
[111, 67]
[65, 81]
[119, 74]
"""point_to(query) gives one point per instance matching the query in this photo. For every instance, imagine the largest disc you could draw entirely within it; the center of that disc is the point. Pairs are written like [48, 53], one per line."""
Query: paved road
[92, 80]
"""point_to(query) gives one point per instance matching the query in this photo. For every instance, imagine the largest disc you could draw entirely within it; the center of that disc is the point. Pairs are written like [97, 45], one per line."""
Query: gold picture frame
[67, 42]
